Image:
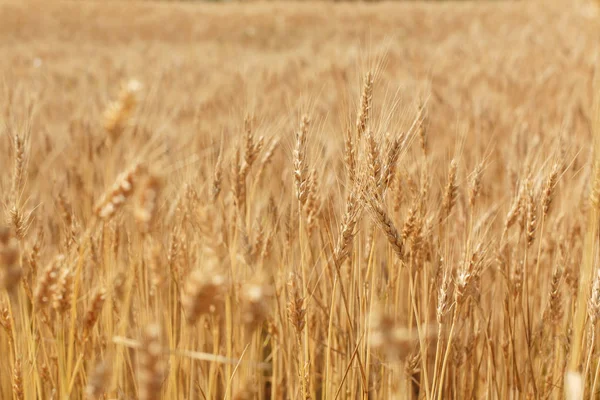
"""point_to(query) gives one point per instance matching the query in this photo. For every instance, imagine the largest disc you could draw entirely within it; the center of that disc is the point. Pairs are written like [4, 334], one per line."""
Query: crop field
[394, 200]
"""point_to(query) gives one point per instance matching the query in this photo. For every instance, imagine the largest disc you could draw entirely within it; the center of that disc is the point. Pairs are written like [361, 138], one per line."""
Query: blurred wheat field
[299, 201]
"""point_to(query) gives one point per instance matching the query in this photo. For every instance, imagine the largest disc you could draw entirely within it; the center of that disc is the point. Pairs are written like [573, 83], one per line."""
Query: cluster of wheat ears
[386, 286]
[396, 256]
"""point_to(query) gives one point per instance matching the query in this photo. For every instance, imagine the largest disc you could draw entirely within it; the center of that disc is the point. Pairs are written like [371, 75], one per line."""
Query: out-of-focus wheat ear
[313, 201]
[350, 155]
[10, 271]
[151, 366]
[217, 181]
[475, 184]
[173, 254]
[595, 190]
[17, 380]
[594, 301]
[98, 381]
[66, 208]
[45, 374]
[259, 238]
[267, 246]
[421, 234]
[267, 158]
[115, 242]
[296, 308]
[423, 119]
[516, 279]
[398, 192]
[202, 294]
[515, 211]
[18, 167]
[44, 289]
[94, 310]
[119, 111]
[155, 267]
[390, 164]
[255, 305]
[554, 311]
[248, 391]
[389, 337]
[69, 222]
[5, 235]
[10, 277]
[269, 153]
[146, 202]
[252, 147]
[64, 290]
[34, 255]
[467, 277]
[300, 162]
[412, 186]
[451, 190]
[364, 112]
[238, 184]
[290, 225]
[118, 290]
[273, 213]
[549, 187]
[113, 199]
[410, 221]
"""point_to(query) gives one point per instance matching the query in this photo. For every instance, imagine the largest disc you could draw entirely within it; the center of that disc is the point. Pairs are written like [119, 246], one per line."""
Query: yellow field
[299, 200]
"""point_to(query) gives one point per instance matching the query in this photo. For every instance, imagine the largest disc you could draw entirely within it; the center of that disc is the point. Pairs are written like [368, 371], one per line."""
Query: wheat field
[299, 200]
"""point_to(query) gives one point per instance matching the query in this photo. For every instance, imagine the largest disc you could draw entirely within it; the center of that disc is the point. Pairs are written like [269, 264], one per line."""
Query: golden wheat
[245, 203]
